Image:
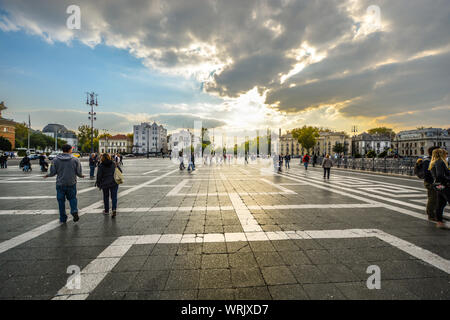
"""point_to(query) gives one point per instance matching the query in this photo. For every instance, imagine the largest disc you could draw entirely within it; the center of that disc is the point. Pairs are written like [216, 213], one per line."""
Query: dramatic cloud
[300, 55]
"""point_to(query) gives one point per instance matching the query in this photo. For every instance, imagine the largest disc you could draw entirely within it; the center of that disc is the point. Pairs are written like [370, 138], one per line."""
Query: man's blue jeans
[69, 193]
[92, 171]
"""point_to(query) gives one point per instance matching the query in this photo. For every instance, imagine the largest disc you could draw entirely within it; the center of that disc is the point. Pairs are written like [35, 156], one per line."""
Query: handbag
[118, 176]
[437, 186]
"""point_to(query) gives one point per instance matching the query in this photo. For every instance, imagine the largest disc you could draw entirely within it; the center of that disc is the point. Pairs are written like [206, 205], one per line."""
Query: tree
[382, 131]
[5, 145]
[21, 130]
[340, 148]
[306, 136]
[84, 137]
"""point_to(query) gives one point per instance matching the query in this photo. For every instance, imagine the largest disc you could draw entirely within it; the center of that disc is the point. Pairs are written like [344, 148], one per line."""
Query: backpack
[419, 169]
[118, 176]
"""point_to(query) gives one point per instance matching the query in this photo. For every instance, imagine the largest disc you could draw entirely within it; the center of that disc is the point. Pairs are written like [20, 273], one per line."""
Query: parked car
[130, 155]
[34, 156]
[52, 156]
[76, 155]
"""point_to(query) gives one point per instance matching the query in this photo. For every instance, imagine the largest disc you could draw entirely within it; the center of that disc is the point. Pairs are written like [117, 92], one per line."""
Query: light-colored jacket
[327, 163]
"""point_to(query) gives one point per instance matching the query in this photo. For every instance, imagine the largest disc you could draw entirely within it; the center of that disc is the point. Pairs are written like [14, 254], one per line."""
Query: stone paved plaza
[223, 232]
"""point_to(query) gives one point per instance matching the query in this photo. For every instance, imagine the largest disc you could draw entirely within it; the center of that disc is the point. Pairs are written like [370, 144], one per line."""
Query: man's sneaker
[106, 212]
[75, 217]
[113, 214]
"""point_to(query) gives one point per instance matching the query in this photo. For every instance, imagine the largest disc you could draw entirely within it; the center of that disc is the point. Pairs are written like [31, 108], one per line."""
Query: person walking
[93, 161]
[191, 165]
[441, 175]
[121, 159]
[421, 171]
[67, 168]
[2, 161]
[327, 163]
[107, 183]
[180, 158]
[287, 159]
[306, 159]
[43, 163]
[280, 163]
[25, 163]
[314, 159]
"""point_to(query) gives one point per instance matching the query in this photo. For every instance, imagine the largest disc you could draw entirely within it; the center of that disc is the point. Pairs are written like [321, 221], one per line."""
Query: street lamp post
[91, 100]
[148, 144]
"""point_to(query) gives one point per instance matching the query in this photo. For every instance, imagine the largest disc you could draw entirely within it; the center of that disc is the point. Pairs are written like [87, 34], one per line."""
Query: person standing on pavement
[327, 163]
[306, 159]
[66, 167]
[26, 163]
[92, 164]
[421, 170]
[43, 163]
[441, 175]
[107, 183]
[314, 159]
[287, 158]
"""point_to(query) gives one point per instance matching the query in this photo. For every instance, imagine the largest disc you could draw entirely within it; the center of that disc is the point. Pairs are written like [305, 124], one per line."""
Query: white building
[119, 143]
[416, 142]
[365, 142]
[61, 132]
[151, 138]
[180, 141]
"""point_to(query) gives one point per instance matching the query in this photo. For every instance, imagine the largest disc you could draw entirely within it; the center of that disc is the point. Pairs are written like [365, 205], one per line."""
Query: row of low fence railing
[404, 166]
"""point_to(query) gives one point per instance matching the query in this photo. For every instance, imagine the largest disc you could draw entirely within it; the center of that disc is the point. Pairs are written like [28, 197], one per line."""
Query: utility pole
[148, 137]
[91, 100]
[354, 131]
[29, 129]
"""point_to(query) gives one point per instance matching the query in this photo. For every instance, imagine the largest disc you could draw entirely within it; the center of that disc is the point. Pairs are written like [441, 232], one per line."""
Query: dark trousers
[326, 172]
[91, 171]
[69, 193]
[432, 201]
[106, 193]
[443, 197]
[287, 164]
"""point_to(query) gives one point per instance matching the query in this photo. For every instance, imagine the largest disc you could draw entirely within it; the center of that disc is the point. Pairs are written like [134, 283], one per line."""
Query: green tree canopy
[306, 136]
[5, 145]
[340, 148]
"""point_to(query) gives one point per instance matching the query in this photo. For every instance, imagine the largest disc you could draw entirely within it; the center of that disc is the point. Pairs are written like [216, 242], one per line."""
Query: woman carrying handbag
[109, 176]
[441, 175]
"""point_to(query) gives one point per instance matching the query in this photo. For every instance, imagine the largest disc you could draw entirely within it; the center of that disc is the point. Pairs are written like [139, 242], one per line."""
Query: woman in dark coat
[105, 182]
[441, 175]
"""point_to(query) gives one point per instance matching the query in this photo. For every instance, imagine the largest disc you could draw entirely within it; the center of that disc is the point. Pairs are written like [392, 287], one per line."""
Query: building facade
[7, 128]
[59, 131]
[324, 145]
[328, 139]
[180, 141]
[366, 142]
[290, 145]
[149, 138]
[119, 143]
[416, 142]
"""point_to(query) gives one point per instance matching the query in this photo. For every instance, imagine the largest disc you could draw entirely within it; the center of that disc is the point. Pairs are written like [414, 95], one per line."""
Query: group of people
[67, 168]
[435, 172]
[191, 164]
[3, 161]
[94, 161]
[327, 163]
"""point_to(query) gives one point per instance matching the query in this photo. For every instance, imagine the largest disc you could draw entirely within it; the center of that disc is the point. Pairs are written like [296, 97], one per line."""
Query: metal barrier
[404, 166]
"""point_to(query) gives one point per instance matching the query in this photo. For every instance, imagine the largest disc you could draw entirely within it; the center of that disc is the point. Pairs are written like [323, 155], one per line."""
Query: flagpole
[29, 128]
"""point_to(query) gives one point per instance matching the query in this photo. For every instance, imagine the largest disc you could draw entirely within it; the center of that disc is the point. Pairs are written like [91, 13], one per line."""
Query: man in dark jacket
[92, 164]
[66, 168]
[106, 182]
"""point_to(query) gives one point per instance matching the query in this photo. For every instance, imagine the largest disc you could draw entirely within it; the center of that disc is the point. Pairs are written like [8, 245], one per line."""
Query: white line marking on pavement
[178, 188]
[285, 190]
[98, 269]
[36, 232]
[152, 171]
[247, 220]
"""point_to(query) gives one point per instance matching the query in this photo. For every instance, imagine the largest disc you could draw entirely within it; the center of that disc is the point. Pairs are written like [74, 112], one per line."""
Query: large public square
[224, 232]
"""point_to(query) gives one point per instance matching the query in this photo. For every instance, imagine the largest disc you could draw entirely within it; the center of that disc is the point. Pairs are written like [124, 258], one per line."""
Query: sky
[234, 65]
